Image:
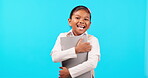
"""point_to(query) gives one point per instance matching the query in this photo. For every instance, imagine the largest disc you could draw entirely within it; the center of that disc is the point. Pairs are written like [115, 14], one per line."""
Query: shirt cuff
[71, 53]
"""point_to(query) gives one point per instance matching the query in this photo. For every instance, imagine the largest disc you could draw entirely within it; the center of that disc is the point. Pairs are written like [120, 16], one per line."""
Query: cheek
[75, 21]
[88, 23]
[71, 23]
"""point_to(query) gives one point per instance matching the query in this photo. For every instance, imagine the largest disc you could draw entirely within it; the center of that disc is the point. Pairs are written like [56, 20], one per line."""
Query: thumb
[80, 41]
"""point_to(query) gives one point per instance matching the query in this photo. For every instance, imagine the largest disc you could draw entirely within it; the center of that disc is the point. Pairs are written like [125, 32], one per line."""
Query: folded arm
[90, 64]
[58, 55]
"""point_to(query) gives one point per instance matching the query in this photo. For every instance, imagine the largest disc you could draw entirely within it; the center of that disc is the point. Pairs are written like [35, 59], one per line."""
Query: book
[69, 42]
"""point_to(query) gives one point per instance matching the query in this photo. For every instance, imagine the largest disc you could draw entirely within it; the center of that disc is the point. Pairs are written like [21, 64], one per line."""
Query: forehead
[81, 13]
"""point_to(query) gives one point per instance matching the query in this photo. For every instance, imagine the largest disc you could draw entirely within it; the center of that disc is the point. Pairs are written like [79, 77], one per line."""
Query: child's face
[80, 22]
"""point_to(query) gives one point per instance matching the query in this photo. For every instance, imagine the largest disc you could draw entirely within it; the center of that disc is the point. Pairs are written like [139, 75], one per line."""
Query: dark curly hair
[80, 8]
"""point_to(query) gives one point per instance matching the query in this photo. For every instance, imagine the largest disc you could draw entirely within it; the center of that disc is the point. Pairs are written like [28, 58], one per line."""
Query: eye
[86, 19]
[77, 17]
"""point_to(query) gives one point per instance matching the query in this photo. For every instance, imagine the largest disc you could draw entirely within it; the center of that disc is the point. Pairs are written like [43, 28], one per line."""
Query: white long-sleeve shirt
[93, 56]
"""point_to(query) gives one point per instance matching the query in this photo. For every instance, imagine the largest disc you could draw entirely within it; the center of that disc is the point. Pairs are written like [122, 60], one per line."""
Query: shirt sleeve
[58, 55]
[91, 63]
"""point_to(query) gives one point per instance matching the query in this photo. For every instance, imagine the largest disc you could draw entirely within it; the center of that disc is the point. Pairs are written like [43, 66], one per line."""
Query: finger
[87, 43]
[88, 49]
[89, 46]
[60, 71]
[80, 41]
[61, 67]
[61, 74]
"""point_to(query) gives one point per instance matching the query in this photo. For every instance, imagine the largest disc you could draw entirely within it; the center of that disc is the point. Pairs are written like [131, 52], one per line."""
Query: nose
[81, 21]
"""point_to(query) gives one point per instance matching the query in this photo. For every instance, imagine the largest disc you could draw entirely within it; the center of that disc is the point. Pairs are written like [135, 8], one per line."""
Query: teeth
[80, 26]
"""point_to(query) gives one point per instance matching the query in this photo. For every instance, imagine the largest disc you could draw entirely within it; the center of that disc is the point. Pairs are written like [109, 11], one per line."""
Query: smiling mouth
[80, 27]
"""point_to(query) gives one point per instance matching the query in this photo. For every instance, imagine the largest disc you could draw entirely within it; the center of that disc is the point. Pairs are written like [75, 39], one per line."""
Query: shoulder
[63, 34]
[91, 37]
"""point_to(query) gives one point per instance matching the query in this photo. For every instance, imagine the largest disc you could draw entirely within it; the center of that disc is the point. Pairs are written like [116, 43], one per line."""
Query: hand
[64, 73]
[82, 46]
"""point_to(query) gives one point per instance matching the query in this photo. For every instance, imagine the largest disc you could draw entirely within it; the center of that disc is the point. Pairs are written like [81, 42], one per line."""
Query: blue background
[29, 28]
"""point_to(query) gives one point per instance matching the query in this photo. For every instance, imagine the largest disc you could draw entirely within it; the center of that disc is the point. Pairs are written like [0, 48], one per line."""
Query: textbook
[69, 42]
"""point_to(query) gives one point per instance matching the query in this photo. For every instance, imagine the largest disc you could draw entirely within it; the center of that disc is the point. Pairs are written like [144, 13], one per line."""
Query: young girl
[79, 20]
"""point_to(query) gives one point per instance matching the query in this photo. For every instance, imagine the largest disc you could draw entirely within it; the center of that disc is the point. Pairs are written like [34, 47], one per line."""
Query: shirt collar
[70, 33]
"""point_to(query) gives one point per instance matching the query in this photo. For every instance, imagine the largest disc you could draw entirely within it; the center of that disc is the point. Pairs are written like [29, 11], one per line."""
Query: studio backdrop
[29, 28]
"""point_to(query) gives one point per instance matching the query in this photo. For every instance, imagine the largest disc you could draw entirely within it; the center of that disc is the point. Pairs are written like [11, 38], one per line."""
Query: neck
[75, 34]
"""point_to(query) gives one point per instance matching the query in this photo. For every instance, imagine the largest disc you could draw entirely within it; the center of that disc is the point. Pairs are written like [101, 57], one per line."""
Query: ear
[90, 22]
[89, 25]
[69, 22]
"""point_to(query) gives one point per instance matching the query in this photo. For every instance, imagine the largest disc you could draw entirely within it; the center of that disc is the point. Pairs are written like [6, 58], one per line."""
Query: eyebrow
[84, 17]
[77, 15]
